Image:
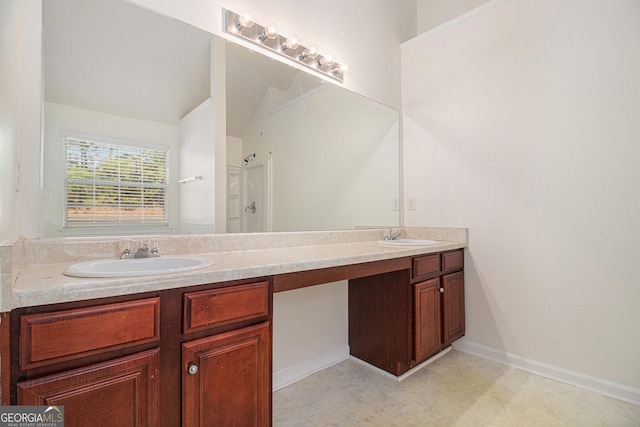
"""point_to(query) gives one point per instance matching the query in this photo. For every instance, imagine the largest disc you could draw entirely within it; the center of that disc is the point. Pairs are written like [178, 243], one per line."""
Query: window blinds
[114, 185]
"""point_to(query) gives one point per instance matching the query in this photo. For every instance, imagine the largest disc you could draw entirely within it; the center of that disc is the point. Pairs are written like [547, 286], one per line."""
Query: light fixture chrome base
[257, 34]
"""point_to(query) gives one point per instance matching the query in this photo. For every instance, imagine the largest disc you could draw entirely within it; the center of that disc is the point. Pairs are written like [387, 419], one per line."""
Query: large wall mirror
[125, 86]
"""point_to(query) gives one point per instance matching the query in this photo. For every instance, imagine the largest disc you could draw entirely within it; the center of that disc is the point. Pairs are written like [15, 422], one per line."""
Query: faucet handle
[154, 248]
[125, 249]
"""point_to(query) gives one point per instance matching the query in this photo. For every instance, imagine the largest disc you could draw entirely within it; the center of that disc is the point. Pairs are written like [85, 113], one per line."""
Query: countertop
[41, 284]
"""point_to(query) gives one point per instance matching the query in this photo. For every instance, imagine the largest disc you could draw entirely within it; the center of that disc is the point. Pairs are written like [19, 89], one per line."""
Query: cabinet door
[427, 318]
[118, 393]
[227, 379]
[453, 307]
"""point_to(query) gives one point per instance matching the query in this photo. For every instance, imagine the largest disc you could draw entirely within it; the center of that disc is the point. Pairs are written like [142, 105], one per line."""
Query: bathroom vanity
[401, 318]
[195, 348]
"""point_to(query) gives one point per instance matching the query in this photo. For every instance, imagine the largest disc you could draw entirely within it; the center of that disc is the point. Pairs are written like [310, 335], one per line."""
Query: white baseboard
[607, 388]
[290, 375]
[409, 372]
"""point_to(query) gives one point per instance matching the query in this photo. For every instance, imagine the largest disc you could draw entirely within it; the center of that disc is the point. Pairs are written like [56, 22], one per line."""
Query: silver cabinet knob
[192, 369]
[442, 290]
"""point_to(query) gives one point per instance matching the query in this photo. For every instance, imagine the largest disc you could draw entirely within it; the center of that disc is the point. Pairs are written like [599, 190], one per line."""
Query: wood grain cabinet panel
[71, 334]
[380, 320]
[424, 266]
[396, 320]
[227, 379]
[106, 362]
[453, 260]
[452, 307]
[221, 306]
[427, 340]
[120, 393]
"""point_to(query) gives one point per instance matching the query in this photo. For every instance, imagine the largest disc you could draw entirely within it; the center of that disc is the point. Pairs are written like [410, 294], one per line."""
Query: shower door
[256, 213]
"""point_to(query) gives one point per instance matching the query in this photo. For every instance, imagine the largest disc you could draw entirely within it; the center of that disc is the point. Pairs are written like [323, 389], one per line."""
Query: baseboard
[409, 372]
[607, 388]
[287, 376]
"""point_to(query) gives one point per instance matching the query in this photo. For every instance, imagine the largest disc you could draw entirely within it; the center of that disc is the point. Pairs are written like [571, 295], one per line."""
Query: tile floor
[456, 390]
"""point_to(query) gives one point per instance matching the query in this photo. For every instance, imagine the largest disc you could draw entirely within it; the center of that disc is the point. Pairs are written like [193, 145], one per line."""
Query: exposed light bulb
[344, 67]
[245, 20]
[327, 60]
[310, 52]
[271, 31]
[290, 43]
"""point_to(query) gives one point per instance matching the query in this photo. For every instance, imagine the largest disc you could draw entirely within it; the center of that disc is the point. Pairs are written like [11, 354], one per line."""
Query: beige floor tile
[456, 390]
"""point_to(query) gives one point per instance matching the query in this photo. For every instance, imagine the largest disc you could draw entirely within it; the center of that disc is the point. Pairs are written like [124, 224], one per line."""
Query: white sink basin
[409, 242]
[137, 267]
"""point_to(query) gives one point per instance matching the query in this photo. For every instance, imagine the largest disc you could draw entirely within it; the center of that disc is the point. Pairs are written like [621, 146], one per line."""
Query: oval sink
[137, 266]
[409, 242]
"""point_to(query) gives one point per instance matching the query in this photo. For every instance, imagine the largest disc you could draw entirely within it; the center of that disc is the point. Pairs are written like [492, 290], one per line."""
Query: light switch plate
[411, 204]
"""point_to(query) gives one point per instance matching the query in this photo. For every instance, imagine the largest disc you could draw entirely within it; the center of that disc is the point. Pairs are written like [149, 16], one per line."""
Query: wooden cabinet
[439, 314]
[198, 356]
[427, 327]
[380, 320]
[399, 319]
[119, 393]
[52, 337]
[452, 307]
[439, 302]
[227, 379]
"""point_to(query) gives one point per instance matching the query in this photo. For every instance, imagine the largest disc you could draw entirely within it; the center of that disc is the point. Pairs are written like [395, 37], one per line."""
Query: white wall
[197, 154]
[59, 118]
[234, 151]
[362, 33]
[10, 119]
[522, 124]
[20, 106]
[431, 13]
[313, 187]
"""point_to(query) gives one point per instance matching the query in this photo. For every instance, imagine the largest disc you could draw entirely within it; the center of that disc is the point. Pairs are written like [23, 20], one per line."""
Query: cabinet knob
[192, 369]
[442, 290]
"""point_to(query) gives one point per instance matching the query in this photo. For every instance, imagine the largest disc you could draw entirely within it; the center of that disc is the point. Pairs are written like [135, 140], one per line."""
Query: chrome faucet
[143, 250]
[146, 249]
[393, 235]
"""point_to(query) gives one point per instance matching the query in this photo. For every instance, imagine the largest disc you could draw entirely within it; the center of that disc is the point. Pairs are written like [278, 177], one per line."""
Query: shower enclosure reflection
[249, 198]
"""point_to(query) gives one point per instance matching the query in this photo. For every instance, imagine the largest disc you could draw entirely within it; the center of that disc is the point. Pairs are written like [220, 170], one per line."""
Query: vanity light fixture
[243, 26]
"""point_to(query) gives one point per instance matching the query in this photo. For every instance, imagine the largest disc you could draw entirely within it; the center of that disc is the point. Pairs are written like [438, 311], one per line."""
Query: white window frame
[120, 222]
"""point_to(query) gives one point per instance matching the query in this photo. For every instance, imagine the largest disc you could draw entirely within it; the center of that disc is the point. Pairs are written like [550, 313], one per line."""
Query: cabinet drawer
[425, 265]
[452, 260]
[70, 334]
[216, 307]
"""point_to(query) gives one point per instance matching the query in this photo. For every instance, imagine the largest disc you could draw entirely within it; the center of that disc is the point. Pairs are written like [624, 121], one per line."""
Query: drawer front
[70, 334]
[425, 265]
[453, 260]
[217, 307]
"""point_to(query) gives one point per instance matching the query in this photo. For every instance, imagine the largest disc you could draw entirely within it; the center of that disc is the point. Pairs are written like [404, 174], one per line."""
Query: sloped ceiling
[118, 58]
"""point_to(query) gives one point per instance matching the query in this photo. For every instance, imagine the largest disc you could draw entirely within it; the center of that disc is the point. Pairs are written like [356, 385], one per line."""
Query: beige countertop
[44, 283]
